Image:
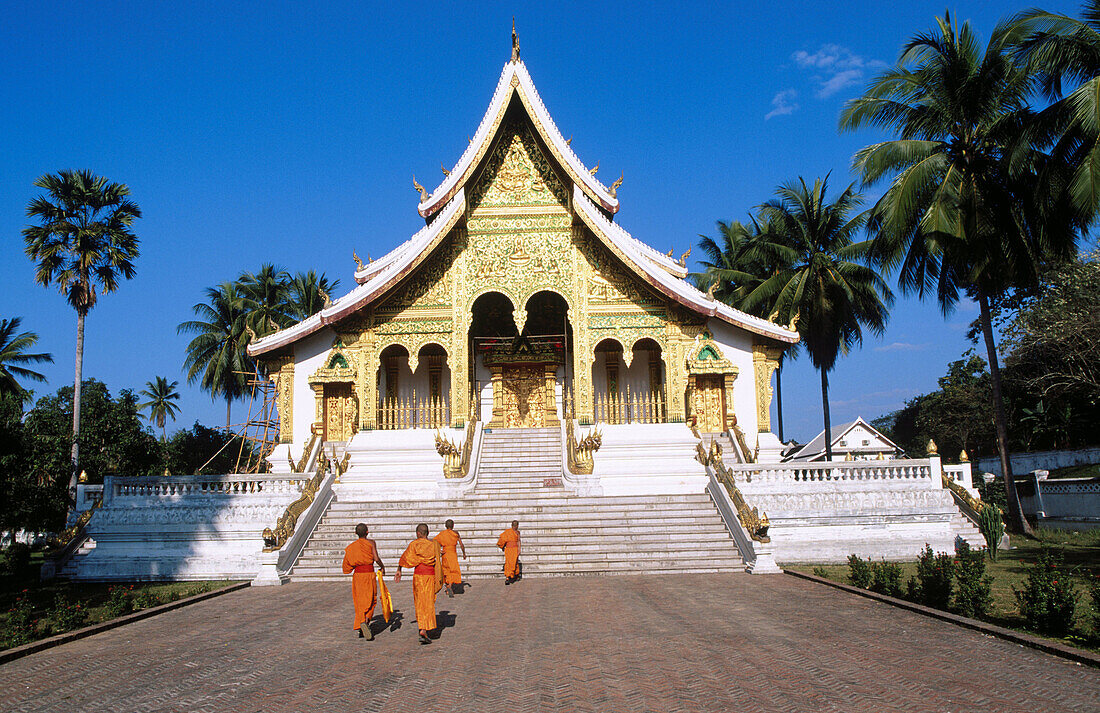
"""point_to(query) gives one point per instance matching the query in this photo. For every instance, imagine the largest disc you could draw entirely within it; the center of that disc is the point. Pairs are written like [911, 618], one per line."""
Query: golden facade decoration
[524, 395]
[519, 173]
[765, 360]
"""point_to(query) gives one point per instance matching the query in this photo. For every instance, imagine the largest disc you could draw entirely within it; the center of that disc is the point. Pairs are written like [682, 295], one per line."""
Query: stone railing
[200, 486]
[902, 471]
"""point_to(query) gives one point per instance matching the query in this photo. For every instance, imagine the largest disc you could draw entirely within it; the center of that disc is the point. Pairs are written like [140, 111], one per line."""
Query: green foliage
[66, 615]
[1048, 599]
[21, 624]
[973, 596]
[188, 450]
[16, 560]
[934, 583]
[14, 358]
[820, 572]
[120, 601]
[1094, 597]
[886, 578]
[147, 598]
[859, 571]
[161, 404]
[992, 527]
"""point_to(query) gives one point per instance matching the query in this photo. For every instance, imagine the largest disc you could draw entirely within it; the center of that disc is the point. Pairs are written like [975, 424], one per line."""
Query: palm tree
[821, 285]
[216, 356]
[264, 299]
[1058, 50]
[13, 354]
[309, 293]
[161, 396]
[965, 211]
[82, 244]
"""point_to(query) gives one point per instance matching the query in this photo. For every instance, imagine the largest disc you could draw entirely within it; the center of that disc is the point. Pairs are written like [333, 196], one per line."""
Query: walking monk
[509, 542]
[359, 559]
[422, 555]
[447, 540]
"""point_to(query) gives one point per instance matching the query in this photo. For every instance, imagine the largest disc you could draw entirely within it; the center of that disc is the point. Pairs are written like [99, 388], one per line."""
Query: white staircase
[519, 478]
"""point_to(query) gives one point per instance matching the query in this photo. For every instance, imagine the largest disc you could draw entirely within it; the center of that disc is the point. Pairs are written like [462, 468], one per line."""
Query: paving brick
[717, 642]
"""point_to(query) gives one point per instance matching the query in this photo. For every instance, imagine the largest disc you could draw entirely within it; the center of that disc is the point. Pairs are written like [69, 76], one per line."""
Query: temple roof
[514, 79]
[634, 254]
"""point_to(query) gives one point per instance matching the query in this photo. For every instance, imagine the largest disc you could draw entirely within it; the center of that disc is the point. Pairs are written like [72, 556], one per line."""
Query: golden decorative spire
[358, 260]
[592, 171]
[964, 457]
[932, 449]
[684, 257]
[569, 141]
[615, 186]
[711, 289]
[669, 253]
[423, 191]
[515, 42]
[445, 171]
[325, 297]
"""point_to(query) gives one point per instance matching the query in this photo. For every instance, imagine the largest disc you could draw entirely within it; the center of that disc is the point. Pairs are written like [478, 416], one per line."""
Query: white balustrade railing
[202, 486]
[839, 472]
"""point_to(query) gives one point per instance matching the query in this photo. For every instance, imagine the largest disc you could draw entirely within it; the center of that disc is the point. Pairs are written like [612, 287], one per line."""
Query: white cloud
[900, 347]
[783, 103]
[835, 68]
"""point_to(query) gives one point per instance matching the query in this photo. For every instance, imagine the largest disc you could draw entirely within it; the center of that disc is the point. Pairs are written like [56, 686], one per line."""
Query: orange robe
[423, 553]
[448, 542]
[509, 540]
[359, 558]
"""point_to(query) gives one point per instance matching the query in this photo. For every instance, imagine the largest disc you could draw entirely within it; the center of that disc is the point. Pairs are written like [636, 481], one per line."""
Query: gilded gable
[518, 173]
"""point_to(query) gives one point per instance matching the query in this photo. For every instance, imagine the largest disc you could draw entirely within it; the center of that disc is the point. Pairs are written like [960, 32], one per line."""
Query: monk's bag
[384, 597]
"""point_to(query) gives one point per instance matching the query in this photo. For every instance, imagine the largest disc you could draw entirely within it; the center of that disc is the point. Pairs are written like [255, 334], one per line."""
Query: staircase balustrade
[413, 412]
[199, 486]
[850, 471]
[630, 406]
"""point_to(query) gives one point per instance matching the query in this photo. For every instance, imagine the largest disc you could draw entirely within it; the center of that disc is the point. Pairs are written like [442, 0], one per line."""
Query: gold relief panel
[765, 360]
[518, 173]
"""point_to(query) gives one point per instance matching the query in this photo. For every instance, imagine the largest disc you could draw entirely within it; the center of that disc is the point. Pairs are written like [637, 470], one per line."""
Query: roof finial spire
[515, 41]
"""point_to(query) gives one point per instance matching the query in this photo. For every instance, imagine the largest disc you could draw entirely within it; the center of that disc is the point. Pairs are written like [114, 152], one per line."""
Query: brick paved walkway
[677, 643]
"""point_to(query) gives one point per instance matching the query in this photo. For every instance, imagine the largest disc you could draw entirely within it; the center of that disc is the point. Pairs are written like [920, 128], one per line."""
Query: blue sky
[280, 132]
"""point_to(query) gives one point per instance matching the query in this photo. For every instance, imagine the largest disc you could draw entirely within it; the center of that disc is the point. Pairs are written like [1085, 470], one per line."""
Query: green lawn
[29, 609]
[1077, 471]
[1082, 562]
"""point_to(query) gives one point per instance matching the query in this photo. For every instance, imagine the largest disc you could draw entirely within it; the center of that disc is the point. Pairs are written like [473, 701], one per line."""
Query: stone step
[702, 499]
[659, 566]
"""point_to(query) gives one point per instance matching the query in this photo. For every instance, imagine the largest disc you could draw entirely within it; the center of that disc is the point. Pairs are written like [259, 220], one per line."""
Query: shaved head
[449, 524]
[515, 524]
[361, 530]
[421, 530]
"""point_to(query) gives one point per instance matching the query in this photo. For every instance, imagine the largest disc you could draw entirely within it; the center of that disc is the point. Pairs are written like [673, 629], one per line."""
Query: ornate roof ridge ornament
[684, 257]
[614, 190]
[592, 171]
[515, 42]
[444, 169]
[358, 260]
[423, 191]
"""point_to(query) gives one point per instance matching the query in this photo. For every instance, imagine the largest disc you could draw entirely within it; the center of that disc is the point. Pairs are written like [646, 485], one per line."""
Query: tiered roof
[593, 204]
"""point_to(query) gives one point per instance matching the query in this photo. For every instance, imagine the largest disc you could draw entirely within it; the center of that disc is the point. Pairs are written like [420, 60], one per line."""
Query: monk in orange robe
[359, 559]
[448, 540]
[509, 542]
[422, 555]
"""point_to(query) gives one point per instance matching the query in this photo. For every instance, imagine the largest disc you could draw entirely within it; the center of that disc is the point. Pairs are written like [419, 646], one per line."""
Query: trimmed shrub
[859, 571]
[992, 526]
[973, 596]
[20, 626]
[65, 615]
[1048, 599]
[886, 578]
[1094, 594]
[145, 599]
[821, 572]
[934, 582]
[120, 602]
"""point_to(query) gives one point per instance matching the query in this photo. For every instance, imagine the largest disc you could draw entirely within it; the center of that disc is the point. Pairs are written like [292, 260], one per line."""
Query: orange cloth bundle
[384, 597]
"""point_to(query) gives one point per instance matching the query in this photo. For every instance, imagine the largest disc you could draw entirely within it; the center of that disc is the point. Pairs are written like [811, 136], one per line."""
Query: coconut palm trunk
[1000, 419]
[828, 421]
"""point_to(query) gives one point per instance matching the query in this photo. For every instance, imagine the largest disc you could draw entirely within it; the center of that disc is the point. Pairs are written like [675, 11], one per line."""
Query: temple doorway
[709, 403]
[340, 412]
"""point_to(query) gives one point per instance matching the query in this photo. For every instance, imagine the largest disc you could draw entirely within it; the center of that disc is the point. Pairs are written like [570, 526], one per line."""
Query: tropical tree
[308, 293]
[82, 244]
[965, 212]
[821, 285]
[264, 298]
[1059, 50]
[216, 357]
[13, 353]
[161, 404]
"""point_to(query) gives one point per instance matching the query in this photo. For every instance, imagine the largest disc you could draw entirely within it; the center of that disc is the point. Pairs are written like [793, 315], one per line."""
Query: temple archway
[628, 390]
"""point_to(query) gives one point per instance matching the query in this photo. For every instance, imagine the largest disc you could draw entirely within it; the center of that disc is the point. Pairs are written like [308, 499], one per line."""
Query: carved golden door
[340, 412]
[524, 395]
[709, 403]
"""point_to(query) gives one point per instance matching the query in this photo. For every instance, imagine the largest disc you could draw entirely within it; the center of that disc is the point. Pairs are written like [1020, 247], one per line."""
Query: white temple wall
[736, 346]
[309, 356]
